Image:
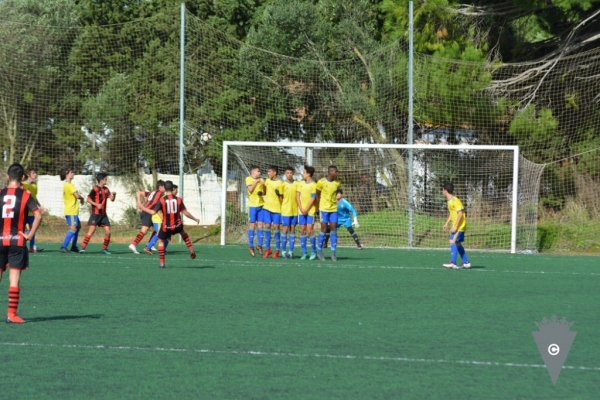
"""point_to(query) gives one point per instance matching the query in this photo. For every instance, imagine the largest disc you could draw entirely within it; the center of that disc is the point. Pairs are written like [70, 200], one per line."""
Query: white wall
[203, 204]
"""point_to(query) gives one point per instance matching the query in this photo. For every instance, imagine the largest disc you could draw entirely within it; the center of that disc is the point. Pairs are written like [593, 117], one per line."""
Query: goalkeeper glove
[355, 223]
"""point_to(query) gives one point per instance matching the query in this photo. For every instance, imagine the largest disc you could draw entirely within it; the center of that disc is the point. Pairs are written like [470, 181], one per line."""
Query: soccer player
[326, 191]
[30, 185]
[98, 197]
[272, 211]
[151, 199]
[458, 217]
[306, 197]
[289, 212]
[256, 189]
[15, 202]
[344, 210]
[171, 207]
[71, 197]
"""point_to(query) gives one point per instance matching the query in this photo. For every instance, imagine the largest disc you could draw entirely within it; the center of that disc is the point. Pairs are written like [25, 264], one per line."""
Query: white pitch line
[296, 355]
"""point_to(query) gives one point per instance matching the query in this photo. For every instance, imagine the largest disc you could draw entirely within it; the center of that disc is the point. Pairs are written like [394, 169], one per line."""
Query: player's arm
[190, 216]
[155, 208]
[459, 217]
[37, 218]
[112, 196]
[257, 182]
[139, 195]
[79, 197]
[354, 214]
[92, 202]
[317, 199]
[447, 222]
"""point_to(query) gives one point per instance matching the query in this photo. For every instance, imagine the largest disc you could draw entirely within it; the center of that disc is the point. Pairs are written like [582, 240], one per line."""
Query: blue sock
[321, 239]
[260, 237]
[463, 254]
[292, 238]
[333, 236]
[166, 243]
[152, 241]
[313, 243]
[453, 253]
[267, 233]
[32, 243]
[251, 238]
[303, 244]
[277, 240]
[75, 237]
[68, 238]
[283, 240]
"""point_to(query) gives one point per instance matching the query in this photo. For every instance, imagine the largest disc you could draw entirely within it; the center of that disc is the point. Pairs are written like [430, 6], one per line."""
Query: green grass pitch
[376, 324]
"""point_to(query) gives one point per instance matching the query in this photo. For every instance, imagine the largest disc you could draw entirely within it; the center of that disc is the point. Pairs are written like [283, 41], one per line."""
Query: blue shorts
[269, 217]
[345, 222]
[290, 221]
[254, 214]
[327, 217]
[29, 220]
[73, 220]
[460, 237]
[306, 219]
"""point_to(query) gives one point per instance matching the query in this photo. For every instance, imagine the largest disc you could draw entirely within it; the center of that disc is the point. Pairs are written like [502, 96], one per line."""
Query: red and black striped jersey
[99, 194]
[152, 198]
[15, 203]
[171, 207]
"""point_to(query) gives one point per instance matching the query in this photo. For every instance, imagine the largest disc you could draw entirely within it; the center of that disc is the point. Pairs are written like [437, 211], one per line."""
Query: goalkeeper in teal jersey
[347, 217]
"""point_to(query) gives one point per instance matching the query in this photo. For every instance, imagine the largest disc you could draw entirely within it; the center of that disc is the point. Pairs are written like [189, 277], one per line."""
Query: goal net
[396, 190]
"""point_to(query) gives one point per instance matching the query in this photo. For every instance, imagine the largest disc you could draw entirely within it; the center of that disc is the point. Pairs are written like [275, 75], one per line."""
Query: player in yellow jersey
[326, 192]
[458, 217]
[71, 199]
[156, 223]
[272, 211]
[30, 184]
[256, 190]
[289, 212]
[306, 197]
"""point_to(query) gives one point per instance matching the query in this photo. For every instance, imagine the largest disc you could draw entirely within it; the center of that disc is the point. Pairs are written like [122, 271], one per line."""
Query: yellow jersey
[289, 206]
[254, 198]
[32, 188]
[69, 199]
[272, 198]
[454, 206]
[328, 191]
[308, 191]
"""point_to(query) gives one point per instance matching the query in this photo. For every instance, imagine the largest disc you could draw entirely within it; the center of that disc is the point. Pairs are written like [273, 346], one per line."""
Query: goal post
[498, 187]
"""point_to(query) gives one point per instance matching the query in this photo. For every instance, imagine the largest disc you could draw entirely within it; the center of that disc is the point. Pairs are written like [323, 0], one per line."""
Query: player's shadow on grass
[64, 317]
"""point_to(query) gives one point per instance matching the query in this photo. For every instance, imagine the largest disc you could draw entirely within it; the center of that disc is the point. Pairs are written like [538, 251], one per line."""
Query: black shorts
[162, 235]
[15, 256]
[146, 219]
[99, 220]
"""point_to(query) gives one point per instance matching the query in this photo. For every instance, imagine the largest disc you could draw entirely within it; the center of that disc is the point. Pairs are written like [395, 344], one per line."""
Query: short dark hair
[340, 191]
[449, 188]
[160, 183]
[175, 186]
[15, 172]
[253, 167]
[29, 171]
[332, 167]
[63, 173]
[310, 170]
[100, 176]
[289, 168]
[274, 168]
[168, 186]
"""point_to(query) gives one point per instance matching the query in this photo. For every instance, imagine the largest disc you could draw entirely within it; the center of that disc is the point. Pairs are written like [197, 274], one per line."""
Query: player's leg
[333, 233]
[453, 252]
[461, 250]
[76, 234]
[276, 221]
[32, 247]
[324, 223]
[188, 243]
[70, 233]
[302, 221]
[259, 228]
[161, 251]
[310, 231]
[292, 236]
[267, 232]
[252, 217]
[90, 232]
[146, 224]
[352, 232]
[284, 233]
[106, 241]
[18, 258]
[327, 235]
[153, 239]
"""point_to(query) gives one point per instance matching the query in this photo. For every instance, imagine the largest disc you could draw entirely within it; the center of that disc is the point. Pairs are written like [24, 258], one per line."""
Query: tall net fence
[106, 98]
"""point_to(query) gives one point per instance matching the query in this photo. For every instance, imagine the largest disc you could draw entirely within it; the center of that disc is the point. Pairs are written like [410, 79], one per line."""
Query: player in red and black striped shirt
[171, 207]
[16, 203]
[151, 199]
[98, 197]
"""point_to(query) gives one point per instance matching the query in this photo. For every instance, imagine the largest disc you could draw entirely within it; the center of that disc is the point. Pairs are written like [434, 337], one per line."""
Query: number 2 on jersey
[9, 204]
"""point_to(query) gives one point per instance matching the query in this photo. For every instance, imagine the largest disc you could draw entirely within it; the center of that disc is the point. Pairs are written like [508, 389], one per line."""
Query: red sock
[138, 238]
[106, 242]
[161, 253]
[86, 240]
[187, 241]
[13, 300]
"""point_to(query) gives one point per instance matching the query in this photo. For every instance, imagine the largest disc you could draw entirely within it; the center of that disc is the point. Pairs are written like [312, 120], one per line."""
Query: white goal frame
[515, 171]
